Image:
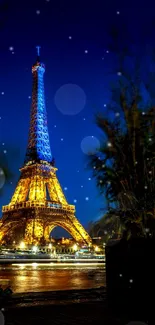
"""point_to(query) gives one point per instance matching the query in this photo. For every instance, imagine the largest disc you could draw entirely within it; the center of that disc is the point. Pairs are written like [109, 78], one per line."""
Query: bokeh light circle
[90, 145]
[70, 99]
[2, 320]
[2, 178]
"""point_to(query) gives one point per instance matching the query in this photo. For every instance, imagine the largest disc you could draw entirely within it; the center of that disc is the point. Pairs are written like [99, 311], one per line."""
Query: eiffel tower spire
[38, 148]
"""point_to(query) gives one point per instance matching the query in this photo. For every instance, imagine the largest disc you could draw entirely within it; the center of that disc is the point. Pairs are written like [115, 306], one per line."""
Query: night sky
[74, 39]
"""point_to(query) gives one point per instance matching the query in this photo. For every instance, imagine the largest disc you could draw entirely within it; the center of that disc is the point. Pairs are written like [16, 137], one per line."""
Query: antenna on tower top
[38, 52]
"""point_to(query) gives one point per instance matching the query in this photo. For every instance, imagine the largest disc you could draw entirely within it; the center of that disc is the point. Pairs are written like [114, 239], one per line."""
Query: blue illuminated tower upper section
[38, 149]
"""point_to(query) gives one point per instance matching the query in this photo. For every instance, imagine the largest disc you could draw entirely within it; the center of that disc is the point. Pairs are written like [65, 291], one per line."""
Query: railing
[36, 204]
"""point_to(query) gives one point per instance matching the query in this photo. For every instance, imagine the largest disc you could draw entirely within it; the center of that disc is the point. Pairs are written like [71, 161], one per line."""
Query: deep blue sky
[74, 40]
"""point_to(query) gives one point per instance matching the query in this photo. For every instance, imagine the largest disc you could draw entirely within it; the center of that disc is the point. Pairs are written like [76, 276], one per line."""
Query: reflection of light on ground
[34, 265]
[51, 277]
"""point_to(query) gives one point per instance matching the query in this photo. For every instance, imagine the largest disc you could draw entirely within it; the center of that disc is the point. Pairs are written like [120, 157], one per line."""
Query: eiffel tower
[38, 204]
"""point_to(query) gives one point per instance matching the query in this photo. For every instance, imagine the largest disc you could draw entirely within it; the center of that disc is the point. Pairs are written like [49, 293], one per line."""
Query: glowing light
[117, 114]
[105, 105]
[11, 48]
[109, 144]
[70, 37]
[96, 248]
[118, 12]
[87, 198]
[86, 51]
[22, 245]
[50, 245]
[119, 73]
[81, 186]
[89, 179]
[2, 93]
[75, 247]
[34, 249]
[65, 188]
[38, 12]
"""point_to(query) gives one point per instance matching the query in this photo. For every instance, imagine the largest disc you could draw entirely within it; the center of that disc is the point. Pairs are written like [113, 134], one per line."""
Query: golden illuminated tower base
[37, 207]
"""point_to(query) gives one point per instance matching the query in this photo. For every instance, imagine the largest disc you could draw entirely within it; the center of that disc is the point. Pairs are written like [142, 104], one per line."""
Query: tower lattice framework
[38, 204]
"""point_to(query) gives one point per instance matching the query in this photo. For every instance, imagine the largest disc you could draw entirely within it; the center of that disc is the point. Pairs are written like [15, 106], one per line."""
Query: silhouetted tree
[124, 166]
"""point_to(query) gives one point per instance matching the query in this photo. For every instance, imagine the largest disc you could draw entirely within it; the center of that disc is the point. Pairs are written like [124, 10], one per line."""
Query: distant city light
[75, 247]
[22, 245]
[34, 249]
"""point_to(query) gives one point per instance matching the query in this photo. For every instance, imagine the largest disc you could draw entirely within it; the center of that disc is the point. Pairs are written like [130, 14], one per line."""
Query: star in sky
[11, 48]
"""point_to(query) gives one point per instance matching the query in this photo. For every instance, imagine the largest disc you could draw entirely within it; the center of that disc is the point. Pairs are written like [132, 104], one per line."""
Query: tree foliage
[124, 166]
